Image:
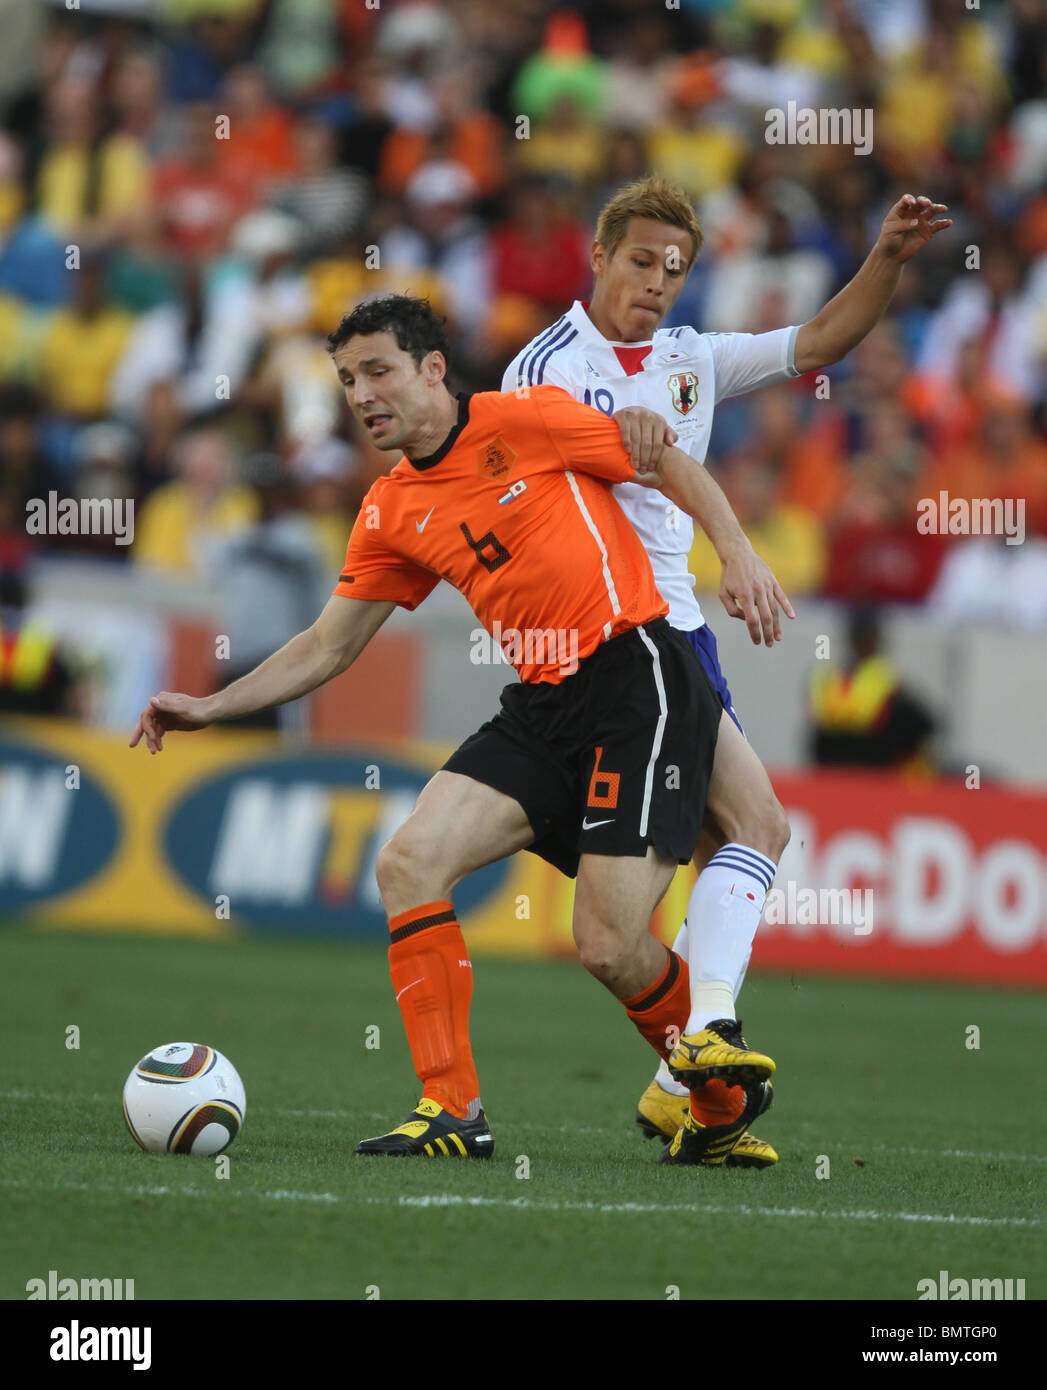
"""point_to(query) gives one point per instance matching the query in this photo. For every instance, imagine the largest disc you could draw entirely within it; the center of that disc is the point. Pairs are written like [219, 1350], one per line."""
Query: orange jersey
[516, 511]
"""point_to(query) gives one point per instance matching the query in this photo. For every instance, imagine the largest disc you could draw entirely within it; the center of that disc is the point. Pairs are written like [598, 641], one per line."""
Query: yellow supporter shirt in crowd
[701, 160]
[62, 185]
[79, 357]
[331, 530]
[337, 283]
[170, 525]
[789, 539]
[22, 333]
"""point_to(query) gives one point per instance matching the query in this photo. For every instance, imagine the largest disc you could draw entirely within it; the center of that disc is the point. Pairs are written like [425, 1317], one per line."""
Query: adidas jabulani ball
[184, 1098]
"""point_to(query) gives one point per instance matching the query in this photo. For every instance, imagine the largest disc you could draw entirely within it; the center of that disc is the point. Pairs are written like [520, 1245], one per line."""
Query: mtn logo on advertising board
[56, 829]
[292, 841]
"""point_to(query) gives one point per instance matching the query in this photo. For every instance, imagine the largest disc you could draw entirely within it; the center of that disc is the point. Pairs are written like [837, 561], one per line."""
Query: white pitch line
[355, 1116]
[452, 1199]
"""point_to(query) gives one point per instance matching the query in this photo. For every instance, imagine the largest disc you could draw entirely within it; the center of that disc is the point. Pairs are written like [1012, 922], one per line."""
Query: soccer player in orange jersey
[600, 756]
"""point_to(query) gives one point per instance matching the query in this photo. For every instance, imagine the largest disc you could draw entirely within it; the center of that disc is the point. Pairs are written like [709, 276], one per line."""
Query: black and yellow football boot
[718, 1050]
[713, 1146]
[434, 1132]
[660, 1114]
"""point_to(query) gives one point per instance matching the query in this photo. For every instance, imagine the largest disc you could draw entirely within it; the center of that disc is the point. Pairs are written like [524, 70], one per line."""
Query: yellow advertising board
[229, 831]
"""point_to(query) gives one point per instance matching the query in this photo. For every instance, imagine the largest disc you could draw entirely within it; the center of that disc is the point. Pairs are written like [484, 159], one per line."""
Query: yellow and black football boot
[719, 1050]
[434, 1132]
[660, 1114]
[712, 1146]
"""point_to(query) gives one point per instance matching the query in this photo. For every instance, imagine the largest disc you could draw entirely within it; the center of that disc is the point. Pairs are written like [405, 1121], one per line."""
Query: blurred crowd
[192, 193]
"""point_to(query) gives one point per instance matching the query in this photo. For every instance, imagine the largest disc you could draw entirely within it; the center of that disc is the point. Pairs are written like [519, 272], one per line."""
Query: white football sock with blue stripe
[723, 911]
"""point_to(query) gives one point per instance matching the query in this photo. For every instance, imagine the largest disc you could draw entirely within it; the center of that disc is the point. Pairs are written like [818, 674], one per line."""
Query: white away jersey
[681, 374]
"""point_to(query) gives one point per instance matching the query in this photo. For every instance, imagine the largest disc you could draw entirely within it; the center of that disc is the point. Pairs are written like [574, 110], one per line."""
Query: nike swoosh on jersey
[420, 526]
[592, 824]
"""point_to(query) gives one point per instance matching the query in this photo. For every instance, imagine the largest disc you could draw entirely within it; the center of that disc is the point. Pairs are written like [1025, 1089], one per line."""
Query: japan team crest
[683, 387]
[496, 458]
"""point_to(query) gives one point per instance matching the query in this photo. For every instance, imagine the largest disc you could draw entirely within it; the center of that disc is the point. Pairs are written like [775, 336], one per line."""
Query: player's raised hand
[644, 435]
[749, 590]
[168, 711]
[910, 225]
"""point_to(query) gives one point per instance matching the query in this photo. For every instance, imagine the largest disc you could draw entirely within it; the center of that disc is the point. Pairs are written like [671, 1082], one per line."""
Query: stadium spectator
[84, 179]
[790, 539]
[776, 282]
[986, 582]
[81, 350]
[274, 581]
[876, 554]
[261, 139]
[638, 73]
[26, 472]
[35, 676]
[1005, 460]
[442, 236]
[862, 715]
[199, 344]
[325, 470]
[701, 146]
[199, 191]
[211, 36]
[299, 50]
[180, 526]
[460, 131]
[563, 72]
[328, 201]
[1002, 309]
[537, 252]
[418, 42]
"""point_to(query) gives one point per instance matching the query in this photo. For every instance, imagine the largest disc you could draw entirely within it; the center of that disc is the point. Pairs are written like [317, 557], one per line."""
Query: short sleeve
[373, 571]
[583, 439]
[745, 361]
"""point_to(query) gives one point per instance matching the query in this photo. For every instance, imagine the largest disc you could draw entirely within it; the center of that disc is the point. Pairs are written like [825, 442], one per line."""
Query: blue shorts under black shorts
[703, 640]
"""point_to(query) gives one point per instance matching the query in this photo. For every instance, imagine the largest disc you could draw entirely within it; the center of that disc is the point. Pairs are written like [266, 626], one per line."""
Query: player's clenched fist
[644, 435]
[168, 711]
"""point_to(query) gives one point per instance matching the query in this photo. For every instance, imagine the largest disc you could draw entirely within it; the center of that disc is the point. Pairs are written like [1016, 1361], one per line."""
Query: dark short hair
[413, 321]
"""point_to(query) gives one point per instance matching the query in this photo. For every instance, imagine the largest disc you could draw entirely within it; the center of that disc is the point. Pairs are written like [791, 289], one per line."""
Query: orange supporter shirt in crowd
[516, 511]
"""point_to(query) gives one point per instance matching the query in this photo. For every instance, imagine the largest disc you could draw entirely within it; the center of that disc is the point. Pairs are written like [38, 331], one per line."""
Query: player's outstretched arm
[859, 306]
[311, 658]
[748, 588]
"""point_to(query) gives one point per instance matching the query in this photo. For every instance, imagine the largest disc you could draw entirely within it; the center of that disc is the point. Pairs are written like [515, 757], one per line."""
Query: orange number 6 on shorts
[609, 780]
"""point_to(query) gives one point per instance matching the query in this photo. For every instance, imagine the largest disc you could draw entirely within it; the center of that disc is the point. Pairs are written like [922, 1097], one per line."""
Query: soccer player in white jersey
[609, 352]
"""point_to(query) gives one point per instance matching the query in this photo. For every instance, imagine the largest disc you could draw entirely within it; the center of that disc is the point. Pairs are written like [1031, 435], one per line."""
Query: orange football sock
[716, 1103]
[661, 1010]
[433, 983]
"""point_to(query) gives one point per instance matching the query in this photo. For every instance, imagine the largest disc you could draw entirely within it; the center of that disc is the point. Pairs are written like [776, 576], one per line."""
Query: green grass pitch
[936, 1150]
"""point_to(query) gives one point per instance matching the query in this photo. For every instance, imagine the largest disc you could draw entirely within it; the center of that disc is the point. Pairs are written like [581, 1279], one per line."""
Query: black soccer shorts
[615, 758]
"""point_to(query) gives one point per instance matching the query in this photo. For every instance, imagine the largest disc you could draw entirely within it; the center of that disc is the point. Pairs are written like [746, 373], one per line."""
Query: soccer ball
[184, 1098]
